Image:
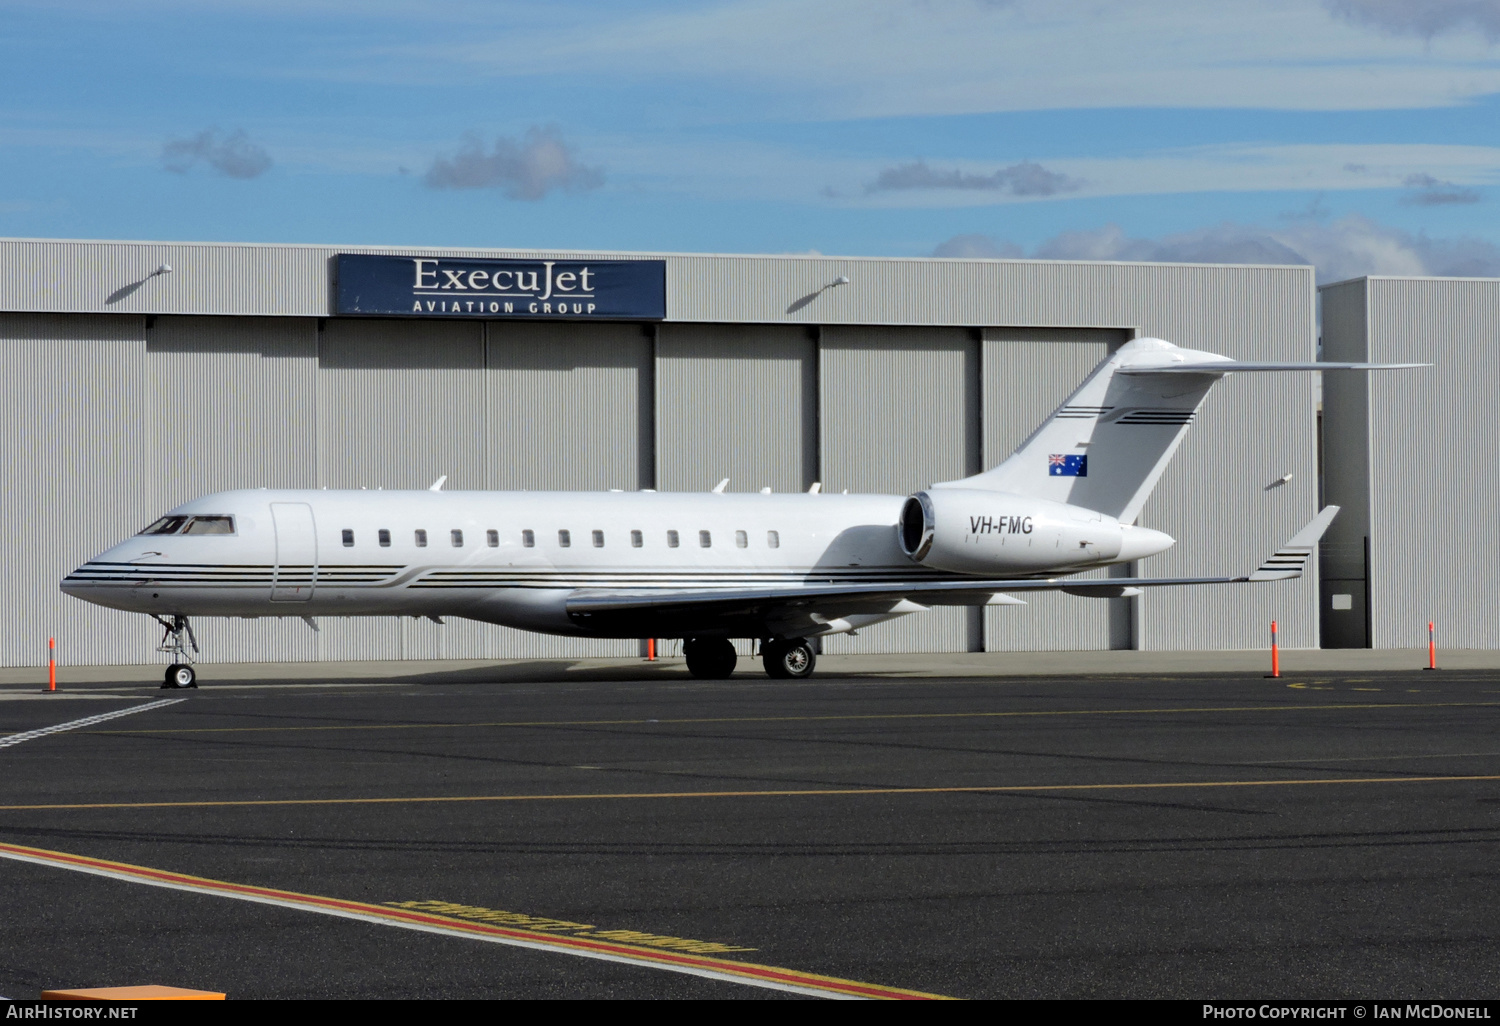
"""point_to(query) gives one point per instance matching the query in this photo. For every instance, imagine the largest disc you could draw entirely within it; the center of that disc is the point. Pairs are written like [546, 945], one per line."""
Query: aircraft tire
[710, 658]
[180, 675]
[789, 660]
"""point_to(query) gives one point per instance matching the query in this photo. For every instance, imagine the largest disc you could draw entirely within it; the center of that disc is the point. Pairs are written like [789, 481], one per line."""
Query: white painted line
[87, 721]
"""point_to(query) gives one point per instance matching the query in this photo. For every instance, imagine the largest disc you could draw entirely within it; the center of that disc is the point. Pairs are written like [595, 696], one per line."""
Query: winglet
[1288, 561]
[437, 485]
[719, 488]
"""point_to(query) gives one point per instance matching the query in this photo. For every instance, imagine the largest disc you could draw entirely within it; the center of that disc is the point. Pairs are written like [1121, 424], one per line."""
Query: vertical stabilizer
[1106, 447]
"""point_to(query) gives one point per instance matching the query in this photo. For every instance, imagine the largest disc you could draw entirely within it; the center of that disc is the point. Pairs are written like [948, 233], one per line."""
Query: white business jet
[703, 567]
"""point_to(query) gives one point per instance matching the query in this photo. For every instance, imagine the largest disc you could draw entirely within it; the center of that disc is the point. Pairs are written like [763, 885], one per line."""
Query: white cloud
[1347, 248]
[1423, 18]
[1434, 192]
[1024, 179]
[849, 58]
[525, 169]
[233, 155]
[978, 247]
[1303, 167]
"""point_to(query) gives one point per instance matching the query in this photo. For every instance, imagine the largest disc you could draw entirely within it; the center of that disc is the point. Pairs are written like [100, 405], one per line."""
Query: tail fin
[1108, 444]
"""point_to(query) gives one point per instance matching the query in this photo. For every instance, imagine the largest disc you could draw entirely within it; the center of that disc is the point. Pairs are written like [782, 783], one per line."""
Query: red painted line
[629, 952]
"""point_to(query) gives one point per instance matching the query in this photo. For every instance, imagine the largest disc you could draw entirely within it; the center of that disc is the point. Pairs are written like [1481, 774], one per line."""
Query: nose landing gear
[177, 636]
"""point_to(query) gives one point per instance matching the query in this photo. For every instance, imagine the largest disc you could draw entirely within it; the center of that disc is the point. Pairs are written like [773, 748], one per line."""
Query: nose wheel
[180, 675]
[177, 637]
[788, 660]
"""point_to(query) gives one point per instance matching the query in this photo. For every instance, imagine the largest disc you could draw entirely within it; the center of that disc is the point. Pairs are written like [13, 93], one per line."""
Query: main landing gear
[788, 660]
[709, 658]
[714, 658]
[177, 636]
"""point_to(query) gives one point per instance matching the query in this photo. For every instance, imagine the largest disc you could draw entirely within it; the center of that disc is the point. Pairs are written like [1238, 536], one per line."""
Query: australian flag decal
[1067, 466]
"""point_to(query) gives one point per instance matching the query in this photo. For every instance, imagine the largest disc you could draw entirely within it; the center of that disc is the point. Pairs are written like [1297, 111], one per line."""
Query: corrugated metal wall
[569, 408]
[73, 390]
[736, 401]
[1434, 482]
[1028, 372]
[899, 410]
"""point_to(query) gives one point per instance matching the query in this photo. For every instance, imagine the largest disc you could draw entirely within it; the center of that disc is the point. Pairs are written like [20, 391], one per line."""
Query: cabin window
[564, 539]
[210, 525]
[421, 537]
[705, 540]
[492, 539]
[741, 540]
[773, 540]
[348, 536]
[598, 539]
[384, 538]
[528, 539]
[671, 539]
[458, 538]
[636, 540]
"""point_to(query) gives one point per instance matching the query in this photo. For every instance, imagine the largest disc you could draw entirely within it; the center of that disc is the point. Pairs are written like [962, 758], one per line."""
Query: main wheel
[789, 660]
[180, 675]
[710, 658]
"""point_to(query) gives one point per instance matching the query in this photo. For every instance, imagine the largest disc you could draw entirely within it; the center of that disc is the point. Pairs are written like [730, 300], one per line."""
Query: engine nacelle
[969, 531]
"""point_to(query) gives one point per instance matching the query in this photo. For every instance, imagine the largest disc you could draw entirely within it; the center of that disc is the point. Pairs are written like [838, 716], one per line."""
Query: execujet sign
[391, 286]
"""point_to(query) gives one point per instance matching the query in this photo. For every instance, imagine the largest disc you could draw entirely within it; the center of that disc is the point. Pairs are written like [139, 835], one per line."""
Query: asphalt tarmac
[1182, 836]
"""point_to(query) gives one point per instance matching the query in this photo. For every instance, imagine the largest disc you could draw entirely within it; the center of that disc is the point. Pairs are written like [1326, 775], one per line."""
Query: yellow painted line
[767, 793]
[849, 717]
[750, 973]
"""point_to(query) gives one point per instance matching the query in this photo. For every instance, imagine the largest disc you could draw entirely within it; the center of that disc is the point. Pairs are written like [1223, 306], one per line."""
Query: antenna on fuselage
[437, 485]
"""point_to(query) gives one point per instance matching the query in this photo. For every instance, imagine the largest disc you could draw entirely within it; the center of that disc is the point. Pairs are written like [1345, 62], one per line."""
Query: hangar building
[129, 389]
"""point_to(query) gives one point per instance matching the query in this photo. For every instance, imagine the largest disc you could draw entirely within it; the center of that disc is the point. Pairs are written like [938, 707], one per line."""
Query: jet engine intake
[971, 531]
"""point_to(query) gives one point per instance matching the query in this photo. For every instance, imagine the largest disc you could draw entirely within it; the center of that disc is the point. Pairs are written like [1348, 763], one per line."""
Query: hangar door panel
[568, 406]
[1028, 373]
[78, 415]
[735, 401]
[900, 410]
[400, 403]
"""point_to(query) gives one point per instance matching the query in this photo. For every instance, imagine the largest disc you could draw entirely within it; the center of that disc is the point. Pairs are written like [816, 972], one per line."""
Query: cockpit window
[166, 525]
[192, 525]
[210, 525]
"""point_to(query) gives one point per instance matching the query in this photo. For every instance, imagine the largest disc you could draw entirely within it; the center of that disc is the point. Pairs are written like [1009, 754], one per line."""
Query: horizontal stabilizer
[1290, 560]
[1231, 366]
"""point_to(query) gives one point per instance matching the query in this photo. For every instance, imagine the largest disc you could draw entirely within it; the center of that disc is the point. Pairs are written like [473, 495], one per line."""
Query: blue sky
[1360, 135]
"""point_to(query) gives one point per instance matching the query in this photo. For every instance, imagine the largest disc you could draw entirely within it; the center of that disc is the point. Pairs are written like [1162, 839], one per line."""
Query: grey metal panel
[1346, 465]
[735, 401]
[1028, 373]
[401, 403]
[1434, 447]
[568, 406]
[76, 476]
[234, 402]
[900, 410]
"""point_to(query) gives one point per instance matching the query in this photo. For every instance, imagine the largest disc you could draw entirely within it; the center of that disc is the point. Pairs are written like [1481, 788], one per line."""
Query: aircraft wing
[1231, 366]
[752, 601]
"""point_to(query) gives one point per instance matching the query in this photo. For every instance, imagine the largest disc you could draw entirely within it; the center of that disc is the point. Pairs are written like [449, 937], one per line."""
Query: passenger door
[296, 552]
